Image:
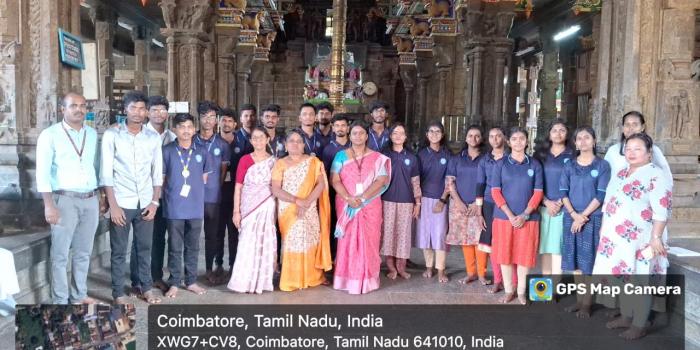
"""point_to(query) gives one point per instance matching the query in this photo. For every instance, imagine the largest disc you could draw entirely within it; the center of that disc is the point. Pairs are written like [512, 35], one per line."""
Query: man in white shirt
[131, 173]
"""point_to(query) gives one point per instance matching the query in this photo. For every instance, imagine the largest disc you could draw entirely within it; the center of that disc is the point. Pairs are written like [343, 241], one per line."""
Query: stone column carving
[105, 23]
[498, 87]
[142, 37]
[549, 83]
[477, 68]
[408, 78]
[244, 63]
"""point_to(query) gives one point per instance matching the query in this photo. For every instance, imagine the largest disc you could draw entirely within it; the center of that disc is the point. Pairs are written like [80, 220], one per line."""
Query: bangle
[156, 203]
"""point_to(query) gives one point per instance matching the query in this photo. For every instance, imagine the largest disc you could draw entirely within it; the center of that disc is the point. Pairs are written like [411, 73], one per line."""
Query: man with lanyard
[378, 134]
[341, 124]
[324, 115]
[227, 124]
[270, 118]
[157, 117]
[218, 150]
[132, 176]
[313, 141]
[66, 177]
[241, 147]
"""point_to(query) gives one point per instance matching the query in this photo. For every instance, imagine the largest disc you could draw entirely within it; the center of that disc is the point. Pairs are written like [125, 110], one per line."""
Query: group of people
[336, 194]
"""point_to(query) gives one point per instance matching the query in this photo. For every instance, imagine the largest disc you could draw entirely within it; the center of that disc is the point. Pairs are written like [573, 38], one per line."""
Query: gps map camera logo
[540, 289]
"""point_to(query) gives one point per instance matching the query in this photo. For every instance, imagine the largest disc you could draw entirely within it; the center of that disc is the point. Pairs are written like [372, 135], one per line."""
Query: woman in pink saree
[359, 177]
[254, 210]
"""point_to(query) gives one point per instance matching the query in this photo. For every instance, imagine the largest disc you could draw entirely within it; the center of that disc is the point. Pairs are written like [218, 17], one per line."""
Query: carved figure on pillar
[418, 28]
[402, 44]
[252, 22]
[438, 8]
[292, 21]
[239, 4]
[169, 15]
[680, 113]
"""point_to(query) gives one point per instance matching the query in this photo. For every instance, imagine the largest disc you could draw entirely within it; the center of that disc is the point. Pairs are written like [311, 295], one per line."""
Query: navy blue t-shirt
[277, 146]
[313, 144]
[377, 141]
[553, 166]
[240, 147]
[177, 206]
[583, 183]
[404, 166]
[484, 174]
[433, 167]
[219, 151]
[329, 153]
[325, 139]
[517, 181]
[464, 169]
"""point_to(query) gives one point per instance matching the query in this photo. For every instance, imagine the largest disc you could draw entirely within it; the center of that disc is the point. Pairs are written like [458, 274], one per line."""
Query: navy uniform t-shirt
[517, 181]
[325, 139]
[464, 169]
[240, 147]
[553, 166]
[404, 166]
[484, 174]
[583, 183]
[433, 167]
[377, 141]
[329, 153]
[219, 151]
[277, 146]
[313, 145]
[200, 163]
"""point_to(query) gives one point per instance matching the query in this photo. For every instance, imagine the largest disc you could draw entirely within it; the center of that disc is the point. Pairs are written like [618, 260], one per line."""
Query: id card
[359, 189]
[185, 191]
[228, 177]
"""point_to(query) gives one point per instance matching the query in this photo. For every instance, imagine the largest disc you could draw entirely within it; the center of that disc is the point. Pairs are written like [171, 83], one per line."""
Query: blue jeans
[183, 242]
[74, 232]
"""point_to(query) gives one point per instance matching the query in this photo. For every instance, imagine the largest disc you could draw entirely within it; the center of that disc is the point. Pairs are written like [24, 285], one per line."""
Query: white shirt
[132, 165]
[618, 161]
[166, 137]
[58, 166]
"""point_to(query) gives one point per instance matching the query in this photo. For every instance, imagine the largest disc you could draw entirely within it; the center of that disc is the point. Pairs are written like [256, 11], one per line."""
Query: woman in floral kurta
[637, 204]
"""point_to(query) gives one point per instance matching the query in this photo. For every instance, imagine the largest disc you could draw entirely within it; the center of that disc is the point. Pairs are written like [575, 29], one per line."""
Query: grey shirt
[132, 165]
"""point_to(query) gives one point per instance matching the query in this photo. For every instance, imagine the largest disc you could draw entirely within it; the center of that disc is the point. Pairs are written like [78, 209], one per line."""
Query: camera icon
[540, 289]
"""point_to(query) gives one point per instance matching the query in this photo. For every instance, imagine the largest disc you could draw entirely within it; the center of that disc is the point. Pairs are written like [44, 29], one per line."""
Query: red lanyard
[82, 146]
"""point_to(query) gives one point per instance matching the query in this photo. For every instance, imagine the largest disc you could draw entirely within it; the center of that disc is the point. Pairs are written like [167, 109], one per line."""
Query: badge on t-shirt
[280, 147]
[217, 151]
[566, 160]
[318, 144]
[407, 161]
[237, 150]
[443, 161]
[594, 172]
[198, 158]
[530, 172]
[185, 191]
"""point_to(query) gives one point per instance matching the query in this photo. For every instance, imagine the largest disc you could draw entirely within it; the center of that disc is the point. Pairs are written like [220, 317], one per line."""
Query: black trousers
[226, 223]
[212, 212]
[142, 242]
[183, 246]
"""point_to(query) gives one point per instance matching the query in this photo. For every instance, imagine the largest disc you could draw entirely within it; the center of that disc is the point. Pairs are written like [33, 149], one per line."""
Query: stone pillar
[257, 77]
[408, 78]
[142, 37]
[498, 87]
[244, 63]
[549, 83]
[172, 65]
[443, 71]
[477, 68]
[105, 20]
[532, 91]
[338, 53]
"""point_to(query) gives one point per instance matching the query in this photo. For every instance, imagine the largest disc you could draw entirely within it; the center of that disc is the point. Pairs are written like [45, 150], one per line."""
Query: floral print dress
[632, 203]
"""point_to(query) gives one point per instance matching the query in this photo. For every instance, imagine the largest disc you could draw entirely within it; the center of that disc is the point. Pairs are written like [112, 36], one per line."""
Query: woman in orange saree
[303, 212]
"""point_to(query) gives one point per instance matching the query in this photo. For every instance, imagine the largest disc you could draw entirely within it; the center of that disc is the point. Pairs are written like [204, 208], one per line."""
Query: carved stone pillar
[408, 78]
[550, 83]
[142, 37]
[172, 66]
[244, 63]
[257, 76]
[105, 23]
[477, 68]
[225, 70]
[442, 73]
[498, 86]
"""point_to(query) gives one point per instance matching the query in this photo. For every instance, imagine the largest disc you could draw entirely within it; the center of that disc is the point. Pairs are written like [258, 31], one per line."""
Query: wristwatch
[525, 216]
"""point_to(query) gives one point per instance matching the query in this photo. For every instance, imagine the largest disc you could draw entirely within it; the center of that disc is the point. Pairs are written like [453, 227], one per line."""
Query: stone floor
[416, 290]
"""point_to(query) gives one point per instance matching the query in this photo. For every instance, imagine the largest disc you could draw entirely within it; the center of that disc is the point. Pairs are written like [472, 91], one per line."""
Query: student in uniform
[378, 134]
[324, 117]
[583, 184]
[401, 203]
[432, 222]
[517, 191]
[185, 170]
[313, 141]
[217, 148]
[270, 118]
[554, 153]
[227, 125]
[340, 142]
[466, 222]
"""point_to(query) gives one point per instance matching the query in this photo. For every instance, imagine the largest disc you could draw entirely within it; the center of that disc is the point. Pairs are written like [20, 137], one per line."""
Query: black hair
[361, 124]
[274, 108]
[516, 129]
[325, 105]
[589, 130]
[181, 118]
[648, 142]
[133, 97]
[545, 146]
[637, 114]
[157, 101]
[248, 107]
[268, 148]
[406, 144]
[203, 107]
[296, 131]
[70, 93]
[378, 104]
[488, 146]
[481, 146]
[339, 117]
[307, 104]
[435, 124]
[228, 112]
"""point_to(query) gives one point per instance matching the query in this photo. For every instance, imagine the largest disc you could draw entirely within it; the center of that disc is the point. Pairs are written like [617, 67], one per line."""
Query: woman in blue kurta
[517, 191]
[583, 182]
[554, 154]
[466, 222]
[432, 223]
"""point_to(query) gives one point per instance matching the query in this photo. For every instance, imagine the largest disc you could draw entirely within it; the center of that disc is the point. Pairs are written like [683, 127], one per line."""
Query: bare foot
[211, 278]
[585, 312]
[620, 322]
[196, 289]
[468, 279]
[150, 298]
[496, 288]
[484, 281]
[326, 282]
[428, 273]
[404, 274]
[508, 298]
[633, 333]
[612, 313]
[172, 292]
[442, 276]
[522, 299]
[573, 308]
[392, 274]
[219, 271]
[161, 285]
